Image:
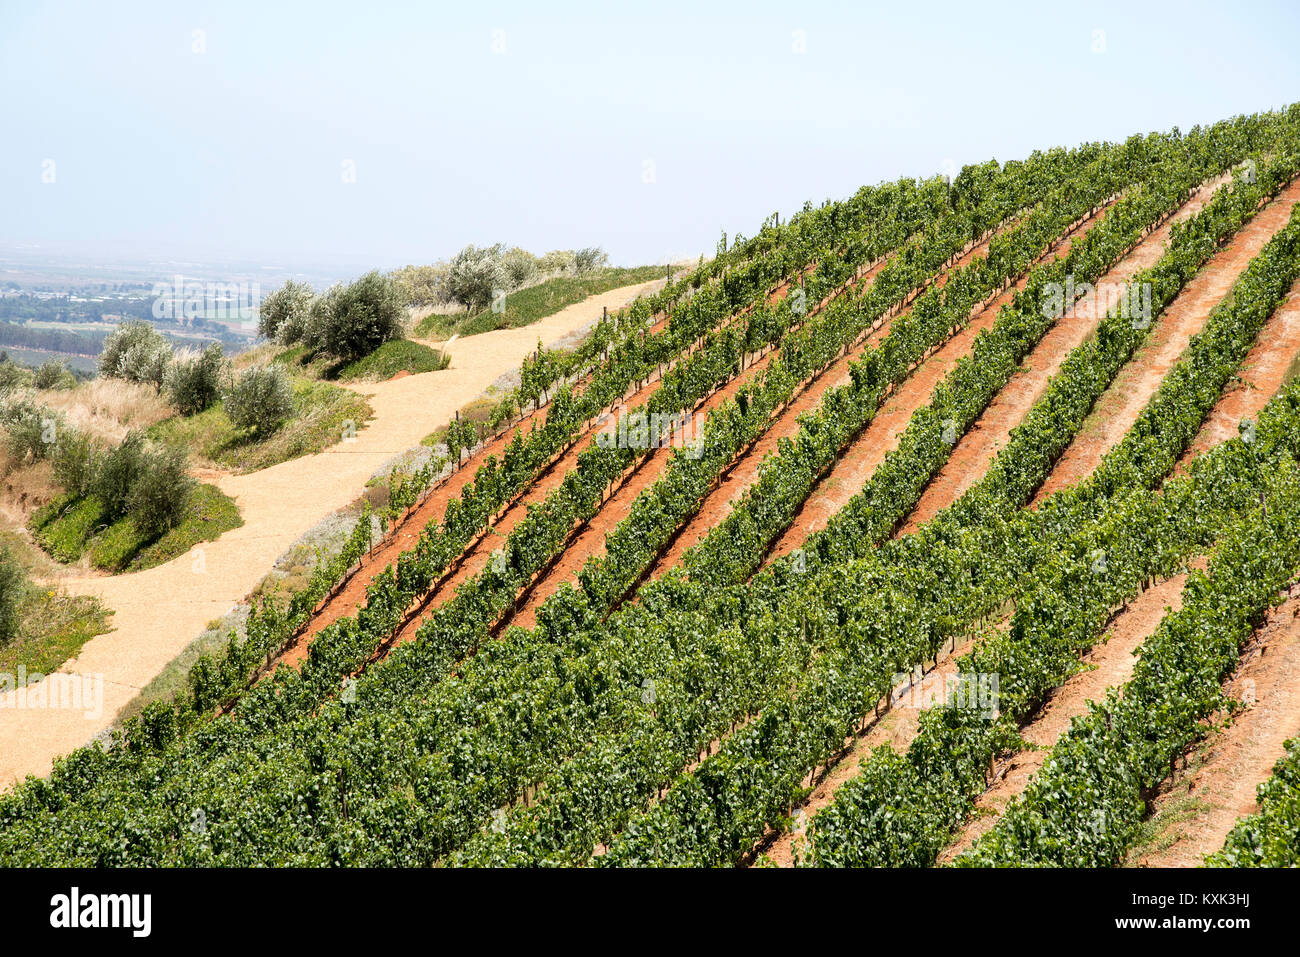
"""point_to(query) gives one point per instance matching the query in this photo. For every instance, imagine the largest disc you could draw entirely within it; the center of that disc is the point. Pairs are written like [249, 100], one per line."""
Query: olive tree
[474, 275]
[137, 352]
[194, 382]
[518, 266]
[283, 314]
[589, 260]
[352, 321]
[260, 399]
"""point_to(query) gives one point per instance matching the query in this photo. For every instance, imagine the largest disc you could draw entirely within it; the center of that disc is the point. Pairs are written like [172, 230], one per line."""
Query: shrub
[32, 431]
[473, 275]
[137, 352]
[117, 474]
[517, 267]
[13, 588]
[589, 260]
[260, 399]
[76, 463]
[146, 362]
[421, 285]
[12, 375]
[353, 320]
[156, 499]
[194, 383]
[283, 314]
[557, 261]
[53, 375]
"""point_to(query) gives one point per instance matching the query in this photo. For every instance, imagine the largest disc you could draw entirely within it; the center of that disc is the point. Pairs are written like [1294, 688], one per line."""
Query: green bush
[53, 374]
[421, 285]
[117, 474]
[260, 399]
[283, 314]
[518, 266]
[12, 375]
[31, 431]
[76, 462]
[474, 275]
[588, 260]
[206, 514]
[157, 497]
[137, 352]
[351, 321]
[13, 587]
[194, 383]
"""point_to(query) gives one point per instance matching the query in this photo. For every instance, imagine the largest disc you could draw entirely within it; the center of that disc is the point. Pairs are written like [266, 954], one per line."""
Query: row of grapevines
[811, 720]
[599, 767]
[1073, 599]
[1086, 804]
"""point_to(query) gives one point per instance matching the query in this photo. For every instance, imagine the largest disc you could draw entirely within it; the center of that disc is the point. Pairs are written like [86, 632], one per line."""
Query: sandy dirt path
[159, 611]
[1121, 404]
[975, 450]
[1216, 787]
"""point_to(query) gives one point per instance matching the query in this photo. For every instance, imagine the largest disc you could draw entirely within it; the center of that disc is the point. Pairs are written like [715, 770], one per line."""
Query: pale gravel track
[158, 612]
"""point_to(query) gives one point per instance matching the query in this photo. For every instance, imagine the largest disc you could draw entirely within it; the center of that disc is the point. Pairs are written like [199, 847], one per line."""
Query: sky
[374, 134]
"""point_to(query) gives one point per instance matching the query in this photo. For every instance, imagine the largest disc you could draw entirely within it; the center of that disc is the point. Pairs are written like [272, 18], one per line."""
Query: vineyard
[943, 525]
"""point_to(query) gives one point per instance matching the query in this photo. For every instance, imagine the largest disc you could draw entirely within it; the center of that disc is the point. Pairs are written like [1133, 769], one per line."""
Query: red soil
[1266, 369]
[1217, 783]
[852, 470]
[1122, 404]
[975, 450]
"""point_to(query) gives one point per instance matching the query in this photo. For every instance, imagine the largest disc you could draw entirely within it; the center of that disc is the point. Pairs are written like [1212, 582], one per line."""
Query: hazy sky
[228, 130]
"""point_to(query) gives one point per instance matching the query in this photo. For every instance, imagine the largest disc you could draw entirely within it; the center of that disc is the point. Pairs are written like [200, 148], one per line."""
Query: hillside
[952, 523]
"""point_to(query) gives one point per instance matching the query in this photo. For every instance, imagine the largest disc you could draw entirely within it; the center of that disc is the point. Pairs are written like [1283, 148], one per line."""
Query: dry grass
[24, 487]
[257, 356]
[105, 409]
[108, 408]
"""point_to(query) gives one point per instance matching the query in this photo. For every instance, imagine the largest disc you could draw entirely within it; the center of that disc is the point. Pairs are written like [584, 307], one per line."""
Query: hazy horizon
[350, 137]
